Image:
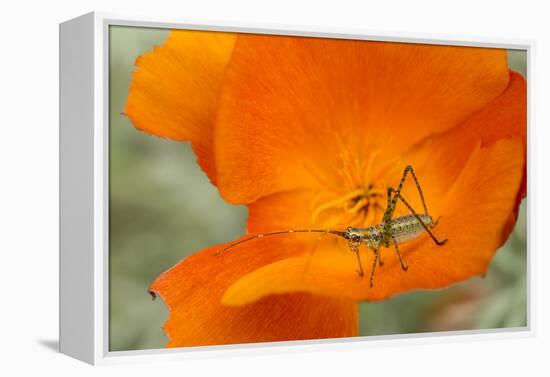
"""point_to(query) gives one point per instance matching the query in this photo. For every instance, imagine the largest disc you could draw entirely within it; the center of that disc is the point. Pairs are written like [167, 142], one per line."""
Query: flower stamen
[354, 202]
[337, 202]
[351, 204]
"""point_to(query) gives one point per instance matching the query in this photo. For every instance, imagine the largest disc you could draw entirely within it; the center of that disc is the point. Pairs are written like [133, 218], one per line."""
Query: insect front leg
[360, 271]
[375, 259]
[354, 244]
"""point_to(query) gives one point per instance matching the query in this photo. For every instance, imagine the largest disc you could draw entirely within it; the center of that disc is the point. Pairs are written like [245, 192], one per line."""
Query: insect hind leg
[409, 169]
[426, 227]
[392, 200]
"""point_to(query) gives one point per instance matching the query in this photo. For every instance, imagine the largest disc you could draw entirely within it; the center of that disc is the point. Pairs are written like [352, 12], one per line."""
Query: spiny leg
[388, 213]
[354, 248]
[360, 271]
[392, 202]
[410, 169]
[426, 228]
[403, 264]
[390, 207]
[375, 259]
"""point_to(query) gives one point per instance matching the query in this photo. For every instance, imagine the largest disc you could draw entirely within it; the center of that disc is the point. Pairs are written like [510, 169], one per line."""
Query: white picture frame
[84, 157]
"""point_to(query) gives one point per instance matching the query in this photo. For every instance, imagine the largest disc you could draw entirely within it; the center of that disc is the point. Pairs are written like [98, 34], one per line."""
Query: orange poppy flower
[310, 133]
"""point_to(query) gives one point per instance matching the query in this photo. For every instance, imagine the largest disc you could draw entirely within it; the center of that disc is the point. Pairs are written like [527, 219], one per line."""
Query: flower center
[353, 193]
[360, 207]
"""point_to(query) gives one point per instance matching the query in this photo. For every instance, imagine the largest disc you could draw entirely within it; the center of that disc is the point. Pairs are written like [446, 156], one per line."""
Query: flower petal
[438, 160]
[193, 288]
[290, 105]
[475, 211]
[174, 91]
[282, 211]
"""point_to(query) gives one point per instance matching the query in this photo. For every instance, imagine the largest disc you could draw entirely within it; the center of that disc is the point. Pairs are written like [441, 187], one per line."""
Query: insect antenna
[325, 231]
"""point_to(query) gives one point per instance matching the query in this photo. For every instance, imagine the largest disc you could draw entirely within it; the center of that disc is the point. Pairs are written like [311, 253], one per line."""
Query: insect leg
[360, 271]
[354, 248]
[426, 228]
[376, 256]
[403, 264]
[409, 168]
[390, 207]
[393, 201]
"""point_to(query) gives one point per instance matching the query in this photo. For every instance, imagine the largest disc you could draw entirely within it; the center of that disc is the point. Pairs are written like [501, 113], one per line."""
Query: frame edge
[76, 188]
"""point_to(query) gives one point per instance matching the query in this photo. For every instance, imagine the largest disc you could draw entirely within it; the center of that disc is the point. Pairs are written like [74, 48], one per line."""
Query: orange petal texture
[291, 105]
[174, 90]
[193, 288]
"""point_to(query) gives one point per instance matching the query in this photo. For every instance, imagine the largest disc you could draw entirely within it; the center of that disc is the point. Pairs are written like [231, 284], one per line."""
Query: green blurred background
[163, 208]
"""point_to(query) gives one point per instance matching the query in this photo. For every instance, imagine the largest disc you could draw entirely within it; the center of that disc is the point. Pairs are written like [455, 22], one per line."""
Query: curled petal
[290, 105]
[193, 288]
[175, 88]
[439, 159]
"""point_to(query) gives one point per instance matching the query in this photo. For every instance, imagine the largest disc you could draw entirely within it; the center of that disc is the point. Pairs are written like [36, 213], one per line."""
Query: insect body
[403, 228]
[390, 232]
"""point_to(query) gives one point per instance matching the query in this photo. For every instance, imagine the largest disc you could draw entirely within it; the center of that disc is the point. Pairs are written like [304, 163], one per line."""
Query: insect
[390, 232]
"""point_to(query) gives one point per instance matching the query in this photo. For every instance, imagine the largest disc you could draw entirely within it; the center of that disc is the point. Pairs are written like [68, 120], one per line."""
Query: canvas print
[267, 188]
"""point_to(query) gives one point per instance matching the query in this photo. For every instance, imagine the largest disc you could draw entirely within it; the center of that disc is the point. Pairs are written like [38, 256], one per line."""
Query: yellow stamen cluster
[357, 201]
